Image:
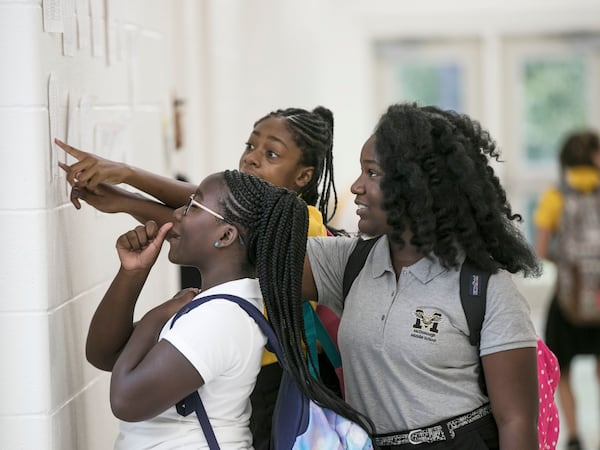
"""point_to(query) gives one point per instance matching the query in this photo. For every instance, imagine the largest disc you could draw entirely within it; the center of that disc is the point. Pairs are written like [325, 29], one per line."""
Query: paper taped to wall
[53, 18]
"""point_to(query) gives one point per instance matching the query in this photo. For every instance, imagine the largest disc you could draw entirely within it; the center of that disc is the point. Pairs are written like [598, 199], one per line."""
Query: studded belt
[434, 433]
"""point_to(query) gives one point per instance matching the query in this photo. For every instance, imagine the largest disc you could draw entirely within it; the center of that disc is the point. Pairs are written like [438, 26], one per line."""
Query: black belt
[434, 433]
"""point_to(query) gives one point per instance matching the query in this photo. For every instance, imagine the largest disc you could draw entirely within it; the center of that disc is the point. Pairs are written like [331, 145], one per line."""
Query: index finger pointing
[70, 150]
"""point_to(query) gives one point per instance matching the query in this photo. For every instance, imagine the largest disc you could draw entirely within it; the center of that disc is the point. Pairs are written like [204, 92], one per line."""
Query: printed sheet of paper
[72, 134]
[82, 11]
[86, 123]
[53, 16]
[112, 36]
[70, 28]
[98, 28]
[54, 122]
[73, 120]
[106, 139]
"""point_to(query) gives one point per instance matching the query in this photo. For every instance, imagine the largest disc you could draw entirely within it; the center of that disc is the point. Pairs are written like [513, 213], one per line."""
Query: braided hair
[438, 183]
[273, 222]
[312, 132]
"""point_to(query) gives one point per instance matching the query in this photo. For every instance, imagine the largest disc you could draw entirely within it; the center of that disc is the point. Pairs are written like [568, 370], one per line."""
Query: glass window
[554, 103]
[551, 88]
[429, 72]
[430, 83]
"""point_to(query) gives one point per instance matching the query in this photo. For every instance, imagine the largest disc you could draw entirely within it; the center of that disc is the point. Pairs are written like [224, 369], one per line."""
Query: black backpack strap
[473, 295]
[355, 263]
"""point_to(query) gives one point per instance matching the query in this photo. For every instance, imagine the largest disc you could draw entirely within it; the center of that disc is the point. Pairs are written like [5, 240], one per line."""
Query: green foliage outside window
[430, 84]
[554, 103]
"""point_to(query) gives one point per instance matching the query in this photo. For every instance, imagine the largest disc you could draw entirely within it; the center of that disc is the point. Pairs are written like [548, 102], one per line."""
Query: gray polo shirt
[404, 345]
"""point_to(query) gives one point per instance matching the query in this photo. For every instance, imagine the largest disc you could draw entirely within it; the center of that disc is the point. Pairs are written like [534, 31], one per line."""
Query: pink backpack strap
[548, 376]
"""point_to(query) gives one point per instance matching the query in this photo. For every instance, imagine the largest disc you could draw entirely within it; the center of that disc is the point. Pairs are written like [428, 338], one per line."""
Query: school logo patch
[426, 325]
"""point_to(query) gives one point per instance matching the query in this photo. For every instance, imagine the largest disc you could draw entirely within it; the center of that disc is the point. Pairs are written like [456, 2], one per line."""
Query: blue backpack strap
[355, 263]
[264, 325]
[315, 331]
[193, 402]
[473, 297]
[310, 330]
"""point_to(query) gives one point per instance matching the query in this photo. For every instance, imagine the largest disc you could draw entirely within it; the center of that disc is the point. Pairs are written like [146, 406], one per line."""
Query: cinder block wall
[97, 74]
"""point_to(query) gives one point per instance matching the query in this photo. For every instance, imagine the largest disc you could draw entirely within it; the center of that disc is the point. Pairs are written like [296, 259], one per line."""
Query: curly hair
[273, 222]
[312, 132]
[438, 183]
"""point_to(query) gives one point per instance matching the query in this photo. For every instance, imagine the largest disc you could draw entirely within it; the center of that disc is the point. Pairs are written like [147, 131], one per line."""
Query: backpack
[578, 286]
[473, 296]
[298, 422]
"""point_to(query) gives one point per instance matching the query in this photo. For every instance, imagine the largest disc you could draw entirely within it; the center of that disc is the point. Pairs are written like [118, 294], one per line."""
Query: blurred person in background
[567, 223]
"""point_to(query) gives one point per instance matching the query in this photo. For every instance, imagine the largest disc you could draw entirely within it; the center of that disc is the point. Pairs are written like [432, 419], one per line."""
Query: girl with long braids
[427, 190]
[289, 147]
[233, 228]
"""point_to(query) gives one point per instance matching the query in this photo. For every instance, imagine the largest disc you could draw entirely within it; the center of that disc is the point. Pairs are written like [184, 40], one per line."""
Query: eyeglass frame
[193, 202]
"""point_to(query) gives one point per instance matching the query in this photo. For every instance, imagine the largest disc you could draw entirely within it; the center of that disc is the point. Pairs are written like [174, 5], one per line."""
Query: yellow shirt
[547, 214]
[315, 228]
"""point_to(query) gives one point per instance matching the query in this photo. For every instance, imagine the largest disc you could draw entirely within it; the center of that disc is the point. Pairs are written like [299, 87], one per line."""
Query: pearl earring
[216, 244]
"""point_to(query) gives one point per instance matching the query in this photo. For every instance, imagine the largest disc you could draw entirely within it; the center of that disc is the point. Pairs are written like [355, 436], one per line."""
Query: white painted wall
[56, 261]
[232, 61]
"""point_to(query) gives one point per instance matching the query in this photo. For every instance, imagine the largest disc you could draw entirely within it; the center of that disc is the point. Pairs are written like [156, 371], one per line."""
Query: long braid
[274, 224]
[312, 132]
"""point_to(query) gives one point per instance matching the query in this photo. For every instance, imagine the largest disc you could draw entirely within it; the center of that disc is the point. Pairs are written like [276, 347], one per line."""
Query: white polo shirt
[225, 345]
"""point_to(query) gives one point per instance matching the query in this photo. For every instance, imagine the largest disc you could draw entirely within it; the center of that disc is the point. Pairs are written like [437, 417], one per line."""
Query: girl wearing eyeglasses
[230, 229]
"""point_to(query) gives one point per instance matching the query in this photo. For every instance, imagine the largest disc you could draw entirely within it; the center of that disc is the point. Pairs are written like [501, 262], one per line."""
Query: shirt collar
[247, 288]
[425, 269]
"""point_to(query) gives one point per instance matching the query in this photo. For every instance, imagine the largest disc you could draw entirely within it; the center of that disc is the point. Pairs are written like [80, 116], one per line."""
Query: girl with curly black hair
[427, 190]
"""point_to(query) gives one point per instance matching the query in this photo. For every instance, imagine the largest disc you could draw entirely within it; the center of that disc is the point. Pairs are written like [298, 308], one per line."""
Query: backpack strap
[473, 286]
[356, 262]
[473, 296]
[193, 402]
[272, 342]
[315, 331]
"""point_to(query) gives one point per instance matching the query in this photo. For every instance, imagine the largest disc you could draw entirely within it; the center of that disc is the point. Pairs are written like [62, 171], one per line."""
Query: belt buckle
[414, 441]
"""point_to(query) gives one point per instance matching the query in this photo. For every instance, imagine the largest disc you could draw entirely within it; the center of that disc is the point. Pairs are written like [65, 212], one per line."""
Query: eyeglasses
[191, 202]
